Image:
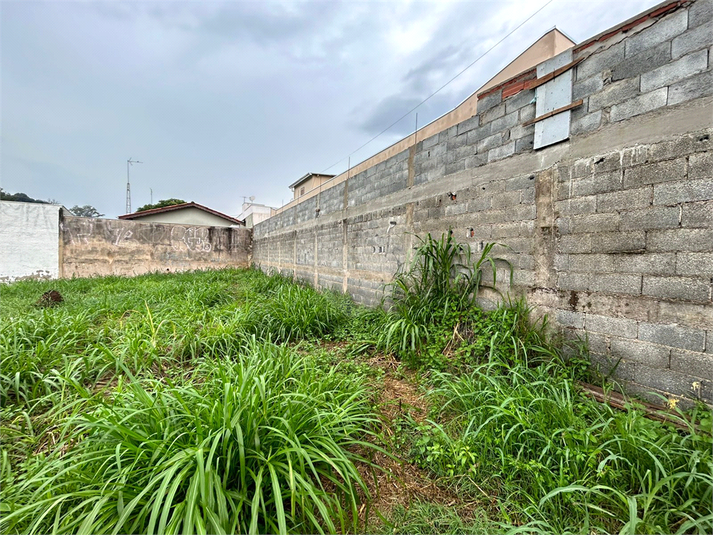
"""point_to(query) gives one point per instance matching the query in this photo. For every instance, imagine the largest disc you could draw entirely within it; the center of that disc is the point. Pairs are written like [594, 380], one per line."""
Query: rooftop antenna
[129, 162]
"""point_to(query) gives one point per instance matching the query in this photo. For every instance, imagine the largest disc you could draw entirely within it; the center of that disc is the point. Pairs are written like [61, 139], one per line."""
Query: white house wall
[29, 241]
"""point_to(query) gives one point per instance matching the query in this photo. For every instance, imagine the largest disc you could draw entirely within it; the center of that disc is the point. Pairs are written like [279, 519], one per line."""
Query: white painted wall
[29, 240]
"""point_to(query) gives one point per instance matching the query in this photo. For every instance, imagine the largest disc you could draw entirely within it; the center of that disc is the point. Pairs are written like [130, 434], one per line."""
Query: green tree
[85, 211]
[160, 204]
[18, 197]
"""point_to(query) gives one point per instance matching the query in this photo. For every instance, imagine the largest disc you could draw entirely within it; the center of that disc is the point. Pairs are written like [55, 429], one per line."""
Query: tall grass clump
[260, 444]
[559, 462]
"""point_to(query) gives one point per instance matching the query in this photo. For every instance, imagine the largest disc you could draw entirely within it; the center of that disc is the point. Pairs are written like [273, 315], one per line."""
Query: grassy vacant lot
[232, 401]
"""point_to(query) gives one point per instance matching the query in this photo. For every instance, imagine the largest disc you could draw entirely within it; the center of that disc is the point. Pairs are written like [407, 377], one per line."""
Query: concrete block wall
[609, 232]
[91, 247]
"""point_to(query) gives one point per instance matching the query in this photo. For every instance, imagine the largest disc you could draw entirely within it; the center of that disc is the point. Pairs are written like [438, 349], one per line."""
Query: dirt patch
[395, 481]
[49, 299]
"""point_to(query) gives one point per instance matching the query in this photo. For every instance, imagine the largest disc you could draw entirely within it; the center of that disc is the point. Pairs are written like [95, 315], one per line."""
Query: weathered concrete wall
[94, 247]
[610, 232]
[29, 240]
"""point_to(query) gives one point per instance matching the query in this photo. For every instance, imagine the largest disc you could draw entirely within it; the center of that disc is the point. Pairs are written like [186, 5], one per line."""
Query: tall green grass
[261, 443]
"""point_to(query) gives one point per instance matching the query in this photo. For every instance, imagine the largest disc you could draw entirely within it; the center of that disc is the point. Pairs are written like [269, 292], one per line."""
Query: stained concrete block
[693, 39]
[614, 93]
[696, 264]
[672, 336]
[621, 327]
[698, 86]
[662, 30]
[682, 239]
[683, 192]
[638, 105]
[655, 356]
[674, 71]
[654, 173]
[679, 288]
[642, 62]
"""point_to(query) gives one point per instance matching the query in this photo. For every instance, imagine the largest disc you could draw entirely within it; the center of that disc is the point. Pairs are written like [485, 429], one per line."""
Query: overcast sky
[222, 100]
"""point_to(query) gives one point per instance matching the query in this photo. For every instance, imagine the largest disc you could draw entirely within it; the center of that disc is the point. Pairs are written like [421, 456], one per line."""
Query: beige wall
[310, 184]
[186, 216]
[548, 46]
[96, 247]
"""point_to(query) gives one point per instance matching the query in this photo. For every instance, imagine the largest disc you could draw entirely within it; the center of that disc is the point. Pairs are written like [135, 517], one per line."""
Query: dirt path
[398, 482]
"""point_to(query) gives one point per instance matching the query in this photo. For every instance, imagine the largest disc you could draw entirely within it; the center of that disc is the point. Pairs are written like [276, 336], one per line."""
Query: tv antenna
[129, 163]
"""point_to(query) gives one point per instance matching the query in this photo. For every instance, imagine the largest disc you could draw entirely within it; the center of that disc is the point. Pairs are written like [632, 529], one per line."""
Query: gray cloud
[225, 99]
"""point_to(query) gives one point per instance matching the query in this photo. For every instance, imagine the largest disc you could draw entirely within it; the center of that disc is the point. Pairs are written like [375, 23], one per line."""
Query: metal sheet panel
[550, 96]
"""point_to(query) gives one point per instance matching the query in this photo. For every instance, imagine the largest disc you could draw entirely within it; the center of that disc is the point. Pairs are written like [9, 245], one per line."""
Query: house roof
[138, 215]
[308, 175]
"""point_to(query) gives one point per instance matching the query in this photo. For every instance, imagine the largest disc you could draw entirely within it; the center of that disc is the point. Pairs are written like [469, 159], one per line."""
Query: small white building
[253, 213]
[188, 213]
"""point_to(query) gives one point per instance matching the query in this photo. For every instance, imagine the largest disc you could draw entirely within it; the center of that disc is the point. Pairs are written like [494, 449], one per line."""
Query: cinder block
[455, 166]
[675, 71]
[645, 263]
[485, 144]
[616, 283]
[630, 199]
[622, 327]
[672, 336]
[504, 122]
[581, 205]
[488, 116]
[587, 263]
[489, 101]
[582, 168]
[697, 215]
[654, 173]
[678, 192]
[573, 281]
[597, 183]
[693, 39]
[600, 61]
[524, 144]
[700, 165]
[527, 113]
[567, 318]
[499, 153]
[586, 123]
[474, 136]
[696, 264]
[709, 341]
[594, 223]
[656, 356]
[476, 160]
[638, 105]
[663, 30]
[680, 288]
[699, 13]
[614, 93]
[527, 195]
[698, 86]
[517, 101]
[682, 239]
[693, 363]
[468, 125]
[659, 217]
[575, 244]
[643, 62]
[618, 242]
[520, 131]
[584, 88]
[455, 209]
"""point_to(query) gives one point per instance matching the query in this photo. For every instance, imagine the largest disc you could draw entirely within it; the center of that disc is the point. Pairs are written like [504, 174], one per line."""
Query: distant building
[308, 182]
[189, 213]
[253, 213]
